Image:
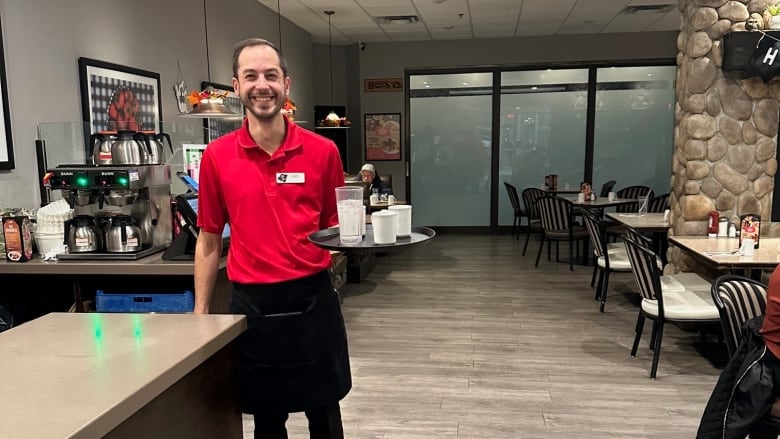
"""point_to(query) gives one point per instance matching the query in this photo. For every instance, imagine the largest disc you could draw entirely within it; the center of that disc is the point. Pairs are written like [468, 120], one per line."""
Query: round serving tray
[329, 239]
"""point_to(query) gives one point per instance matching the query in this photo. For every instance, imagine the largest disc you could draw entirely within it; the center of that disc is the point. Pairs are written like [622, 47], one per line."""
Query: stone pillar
[725, 129]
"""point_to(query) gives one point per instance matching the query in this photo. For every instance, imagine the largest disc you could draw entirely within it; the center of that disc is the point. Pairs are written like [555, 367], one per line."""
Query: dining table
[723, 253]
[653, 224]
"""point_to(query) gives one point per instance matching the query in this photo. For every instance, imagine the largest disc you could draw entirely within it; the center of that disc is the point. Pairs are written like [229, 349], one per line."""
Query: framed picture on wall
[219, 127]
[7, 153]
[116, 97]
[382, 136]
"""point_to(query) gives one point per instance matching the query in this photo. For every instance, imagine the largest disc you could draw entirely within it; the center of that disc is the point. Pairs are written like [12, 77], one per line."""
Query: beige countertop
[152, 265]
[81, 375]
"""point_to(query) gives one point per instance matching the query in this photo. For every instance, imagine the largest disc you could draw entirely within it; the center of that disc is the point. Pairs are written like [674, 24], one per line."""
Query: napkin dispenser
[749, 227]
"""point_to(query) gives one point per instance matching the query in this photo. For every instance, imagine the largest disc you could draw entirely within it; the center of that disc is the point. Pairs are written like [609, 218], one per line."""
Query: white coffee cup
[374, 199]
[612, 196]
[404, 219]
[385, 224]
[748, 247]
[580, 197]
[390, 200]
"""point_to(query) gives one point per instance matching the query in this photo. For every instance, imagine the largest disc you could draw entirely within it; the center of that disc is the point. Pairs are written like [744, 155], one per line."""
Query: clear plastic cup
[349, 202]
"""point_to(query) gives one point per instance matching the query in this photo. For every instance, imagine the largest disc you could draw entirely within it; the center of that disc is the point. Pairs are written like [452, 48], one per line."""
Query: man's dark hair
[251, 42]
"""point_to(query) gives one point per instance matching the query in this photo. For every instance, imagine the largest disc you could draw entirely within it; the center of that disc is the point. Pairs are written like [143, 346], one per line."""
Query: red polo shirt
[273, 203]
[771, 327]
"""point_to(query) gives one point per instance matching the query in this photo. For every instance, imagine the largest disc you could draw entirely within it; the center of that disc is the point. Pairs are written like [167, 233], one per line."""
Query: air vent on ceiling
[647, 9]
[396, 19]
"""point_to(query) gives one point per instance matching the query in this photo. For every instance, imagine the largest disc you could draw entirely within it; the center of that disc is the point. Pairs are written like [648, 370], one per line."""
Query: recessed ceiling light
[534, 88]
[649, 74]
[465, 83]
[427, 86]
[425, 82]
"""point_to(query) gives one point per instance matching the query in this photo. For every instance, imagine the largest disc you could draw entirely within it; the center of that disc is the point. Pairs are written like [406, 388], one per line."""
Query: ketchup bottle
[712, 229]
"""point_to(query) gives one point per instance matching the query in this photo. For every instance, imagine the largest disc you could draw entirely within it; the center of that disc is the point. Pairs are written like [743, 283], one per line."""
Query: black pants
[324, 423]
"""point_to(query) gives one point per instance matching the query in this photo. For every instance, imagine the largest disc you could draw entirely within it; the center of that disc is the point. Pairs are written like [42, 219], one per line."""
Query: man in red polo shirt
[274, 183]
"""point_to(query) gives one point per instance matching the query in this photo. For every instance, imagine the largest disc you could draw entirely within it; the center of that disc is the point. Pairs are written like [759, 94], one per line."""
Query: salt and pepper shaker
[723, 227]
[732, 231]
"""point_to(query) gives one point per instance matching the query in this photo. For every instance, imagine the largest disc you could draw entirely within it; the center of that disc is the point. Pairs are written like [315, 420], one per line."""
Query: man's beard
[264, 114]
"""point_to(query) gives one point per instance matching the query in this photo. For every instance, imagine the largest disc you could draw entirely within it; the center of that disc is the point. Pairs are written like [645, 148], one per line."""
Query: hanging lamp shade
[209, 103]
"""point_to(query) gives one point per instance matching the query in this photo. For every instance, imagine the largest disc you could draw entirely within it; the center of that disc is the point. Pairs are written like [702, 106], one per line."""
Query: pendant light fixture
[210, 102]
[332, 119]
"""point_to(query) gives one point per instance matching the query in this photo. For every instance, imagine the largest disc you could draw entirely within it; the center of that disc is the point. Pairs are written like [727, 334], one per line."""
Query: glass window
[633, 133]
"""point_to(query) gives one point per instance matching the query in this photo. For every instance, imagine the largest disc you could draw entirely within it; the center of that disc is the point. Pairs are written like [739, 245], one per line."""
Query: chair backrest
[554, 213]
[387, 181]
[530, 195]
[632, 193]
[606, 188]
[645, 271]
[659, 204]
[738, 300]
[511, 190]
[597, 233]
[639, 238]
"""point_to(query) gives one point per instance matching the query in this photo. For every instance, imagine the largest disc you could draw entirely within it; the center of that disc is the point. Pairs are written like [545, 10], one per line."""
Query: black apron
[293, 355]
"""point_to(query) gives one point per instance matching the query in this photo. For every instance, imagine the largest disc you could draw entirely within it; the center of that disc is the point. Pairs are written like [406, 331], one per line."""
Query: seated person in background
[369, 174]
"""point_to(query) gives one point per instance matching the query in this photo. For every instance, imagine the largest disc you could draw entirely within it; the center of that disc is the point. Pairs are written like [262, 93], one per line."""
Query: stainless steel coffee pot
[157, 146]
[122, 236]
[131, 148]
[101, 147]
[83, 235]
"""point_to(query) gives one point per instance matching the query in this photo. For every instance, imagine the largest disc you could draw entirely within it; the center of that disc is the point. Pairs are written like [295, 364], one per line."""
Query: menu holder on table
[749, 228]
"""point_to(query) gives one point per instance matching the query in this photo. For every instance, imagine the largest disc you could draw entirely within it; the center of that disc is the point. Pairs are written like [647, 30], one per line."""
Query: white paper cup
[385, 225]
[349, 203]
[404, 219]
[612, 196]
[580, 197]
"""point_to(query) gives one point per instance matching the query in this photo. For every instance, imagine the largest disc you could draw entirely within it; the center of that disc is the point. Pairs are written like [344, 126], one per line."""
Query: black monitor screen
[187, 205]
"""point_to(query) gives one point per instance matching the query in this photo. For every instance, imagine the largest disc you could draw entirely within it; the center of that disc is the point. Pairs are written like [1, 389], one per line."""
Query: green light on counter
[122, 181]
[82, 181]
[137, 326]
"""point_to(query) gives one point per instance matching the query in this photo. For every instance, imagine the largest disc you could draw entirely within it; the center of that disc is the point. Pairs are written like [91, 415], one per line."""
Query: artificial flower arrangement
[208, 96]
[289, 108]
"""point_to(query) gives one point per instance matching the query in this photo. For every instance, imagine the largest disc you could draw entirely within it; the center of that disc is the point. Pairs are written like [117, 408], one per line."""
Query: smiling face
[367, 176]
[260, 82]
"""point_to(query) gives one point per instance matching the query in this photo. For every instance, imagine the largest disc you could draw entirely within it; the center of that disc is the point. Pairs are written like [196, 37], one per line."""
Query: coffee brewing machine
[120, 211]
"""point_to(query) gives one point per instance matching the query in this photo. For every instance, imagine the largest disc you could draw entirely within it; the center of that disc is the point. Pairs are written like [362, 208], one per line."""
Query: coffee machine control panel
[98, 179]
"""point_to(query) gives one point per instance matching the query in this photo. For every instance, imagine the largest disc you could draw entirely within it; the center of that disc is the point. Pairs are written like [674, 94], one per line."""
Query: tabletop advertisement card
[749, 227]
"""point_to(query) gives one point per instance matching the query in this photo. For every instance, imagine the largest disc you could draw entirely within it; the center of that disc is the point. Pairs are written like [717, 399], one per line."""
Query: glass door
[450, 149]
[543, 130]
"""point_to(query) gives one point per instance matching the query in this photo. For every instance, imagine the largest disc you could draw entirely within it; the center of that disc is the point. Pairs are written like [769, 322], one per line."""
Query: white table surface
[80, 375]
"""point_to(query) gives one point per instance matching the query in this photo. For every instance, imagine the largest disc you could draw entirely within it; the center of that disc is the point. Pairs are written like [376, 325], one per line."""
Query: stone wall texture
[725, 128]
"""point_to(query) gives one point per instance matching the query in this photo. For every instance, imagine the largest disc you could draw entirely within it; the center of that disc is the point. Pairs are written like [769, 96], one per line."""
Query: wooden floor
[464, 337]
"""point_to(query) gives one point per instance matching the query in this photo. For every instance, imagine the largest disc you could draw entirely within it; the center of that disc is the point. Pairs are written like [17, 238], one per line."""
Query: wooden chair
[683, 299]
[555, 215]
[514, 198]
[530, 195]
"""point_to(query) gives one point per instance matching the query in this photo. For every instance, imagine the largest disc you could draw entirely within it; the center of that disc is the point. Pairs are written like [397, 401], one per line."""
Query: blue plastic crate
[157, 302]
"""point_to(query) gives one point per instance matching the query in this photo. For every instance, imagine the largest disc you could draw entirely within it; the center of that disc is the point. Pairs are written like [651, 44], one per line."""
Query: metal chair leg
[604, 286]
[640, 325]
[539, 254]
[657, 351]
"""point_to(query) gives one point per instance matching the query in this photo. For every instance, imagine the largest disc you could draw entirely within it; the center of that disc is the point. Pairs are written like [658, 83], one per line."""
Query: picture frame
[382, 136]
[214, 128]
[7, 153]
[116, 97]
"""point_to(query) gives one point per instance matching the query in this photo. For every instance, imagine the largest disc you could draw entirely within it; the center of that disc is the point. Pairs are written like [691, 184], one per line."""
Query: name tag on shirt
[290, 177]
